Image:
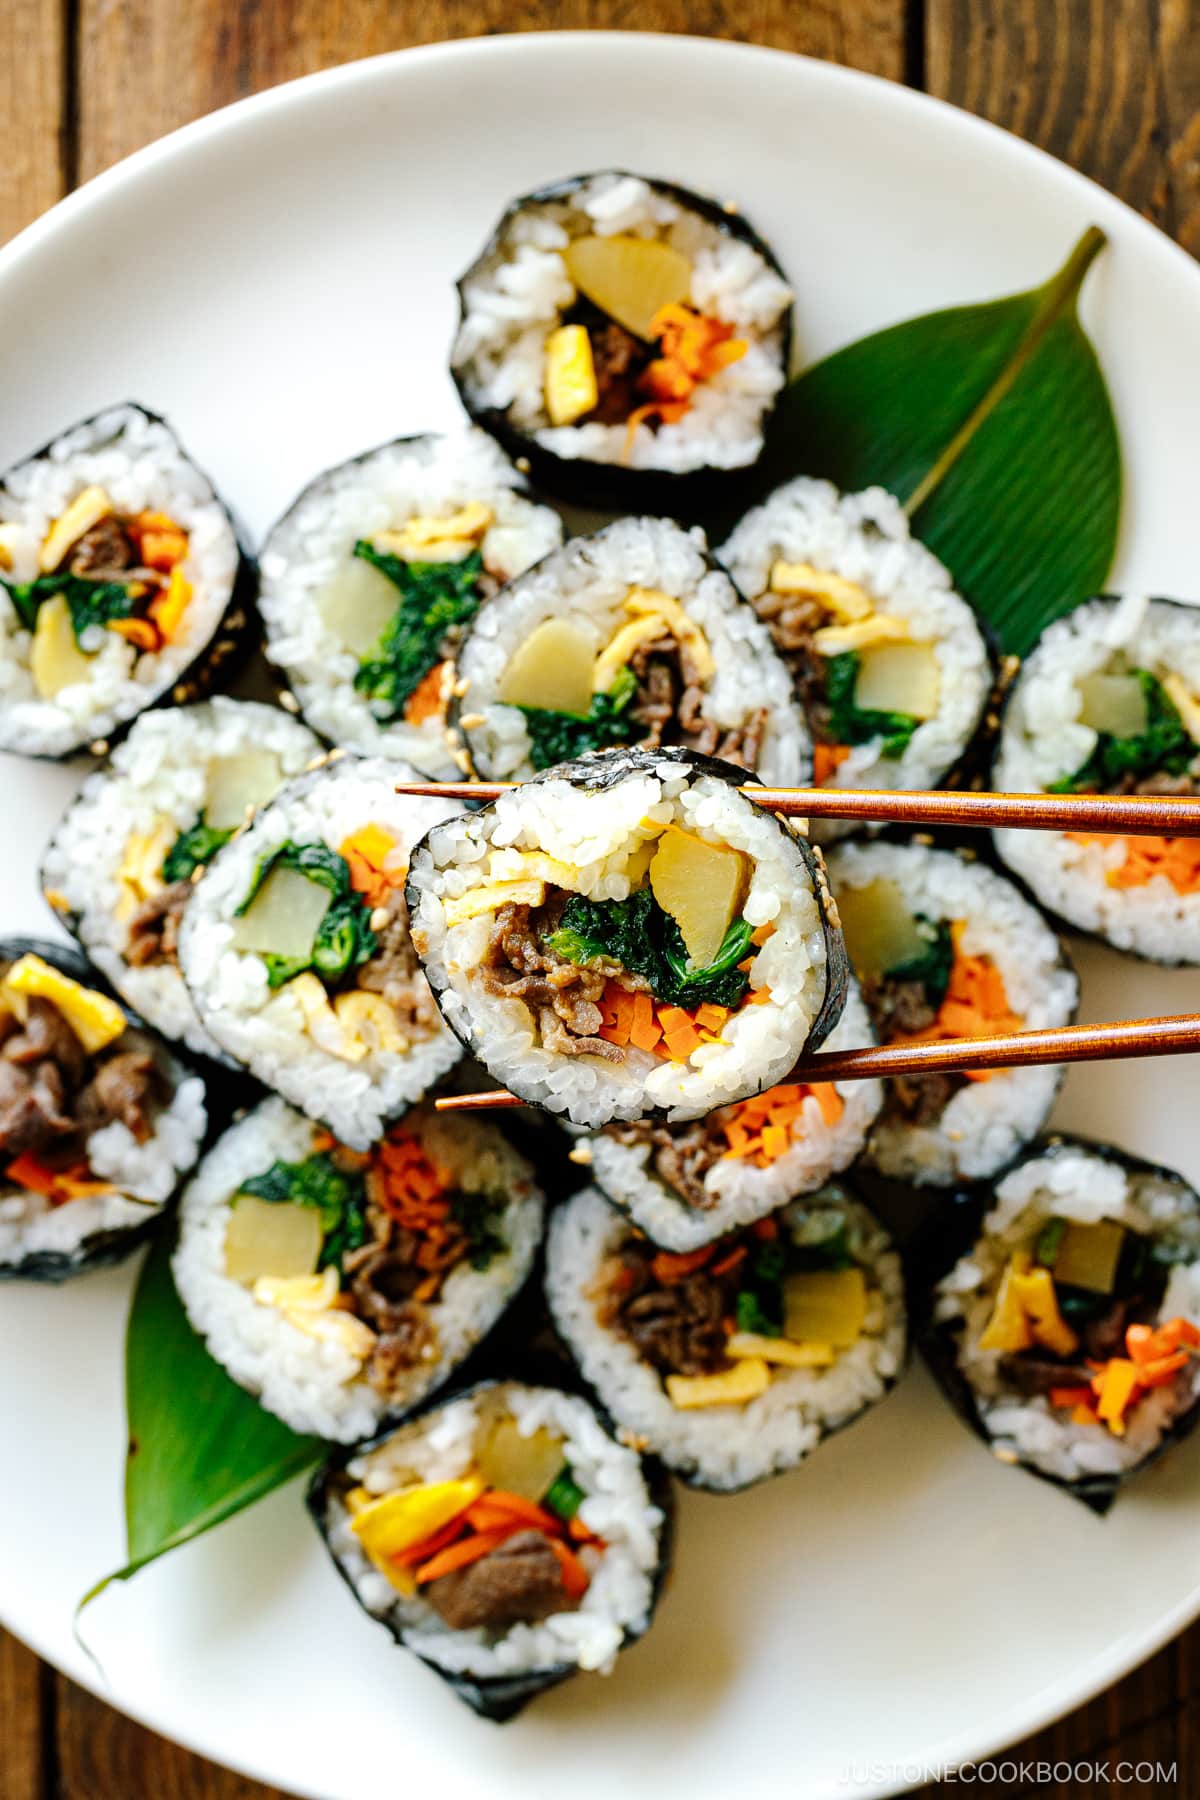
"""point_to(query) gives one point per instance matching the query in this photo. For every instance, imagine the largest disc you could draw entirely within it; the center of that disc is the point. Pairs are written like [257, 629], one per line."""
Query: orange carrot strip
[645, 1031]
[513, 1506]
[425, 701]
[139, 632]
[1162, 1370]
[1071, 1396]
[669, 1267]
[827, 760]
[575, 1578]
[429, 1546]
[457, 1556]
[829, 1100]
[727, 1263]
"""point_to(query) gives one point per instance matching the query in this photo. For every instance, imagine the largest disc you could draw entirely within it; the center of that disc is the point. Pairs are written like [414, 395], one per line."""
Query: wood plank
[182, 58]
[24, 1684]
[102, 1756]
[33, 174]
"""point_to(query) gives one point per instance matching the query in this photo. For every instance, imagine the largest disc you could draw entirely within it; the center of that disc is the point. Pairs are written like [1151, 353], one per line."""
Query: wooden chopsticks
[1013, 1050]
[1118, 815]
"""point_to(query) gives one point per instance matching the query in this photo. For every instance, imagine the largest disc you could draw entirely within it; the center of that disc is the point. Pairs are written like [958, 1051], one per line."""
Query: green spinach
[1164, 748]
[930, 967]
[339, 1197]
[89, 602]
[433, 597]
[556, 737]
[641, 937]
[759, 1303]
[192, 849]
[475, 1216]
[849, 723]
[344, 939]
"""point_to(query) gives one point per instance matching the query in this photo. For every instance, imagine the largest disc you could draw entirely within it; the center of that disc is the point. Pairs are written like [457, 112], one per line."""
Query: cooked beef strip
[124, 1087]
[677, 1327]
[792, 620]
[395, 972]
[1162, 783]
[1031, 1372]
[103, 551]
[154, 928]
[563, 995]
[619, 360]
[31, 1108]
[680, 1155]
[46, 1036]
[399, 1350]
[901, 1008]
[520, 1582]
[669, 703]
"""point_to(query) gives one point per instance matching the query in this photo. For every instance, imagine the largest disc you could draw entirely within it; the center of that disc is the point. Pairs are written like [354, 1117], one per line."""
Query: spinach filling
[344, 939]
[88, 602]
[850, 724]
[1164, 748]
[758, 1306]
[930, 967]
[192, 849]
[475, 1216]
[641, 937]
[556, 737]
[433, 597]
[340, 1198]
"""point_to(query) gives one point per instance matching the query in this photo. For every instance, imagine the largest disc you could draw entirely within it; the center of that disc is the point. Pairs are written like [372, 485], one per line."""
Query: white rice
[144, 1177]
[1042, 740]
[595, 829]
[1072, 1181]
[313, 542]
[519, 290]
[739, 1192]
[313, 1385]
[865, 538]
[587, 583]
[617, 1507]
[137, 459]
[265, 1029]
[727, 1447]
[157, 774]
[985, 1123]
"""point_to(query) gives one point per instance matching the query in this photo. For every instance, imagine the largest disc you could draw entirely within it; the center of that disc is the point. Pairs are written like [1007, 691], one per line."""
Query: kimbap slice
[296, 951]
[371, 575]
[623, 331]
[122, 863]
[98, 1122]
[628, 934]
[343, 1286]
[122, 584]
[504, 1537]
[889, 661]
[1068, 1329]
[1108, 702]
[946, 948]
[731, 1362]
[686, 1185]
[631, 636]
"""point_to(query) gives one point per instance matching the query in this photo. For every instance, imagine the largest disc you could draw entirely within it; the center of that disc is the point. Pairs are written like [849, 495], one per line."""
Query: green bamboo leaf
[993, 425]
[200, 1447]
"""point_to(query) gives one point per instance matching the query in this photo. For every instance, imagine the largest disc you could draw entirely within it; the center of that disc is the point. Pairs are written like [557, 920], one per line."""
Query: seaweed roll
[503, 1537]
[1108, 702]
[889, 661]
[1068, 1330]
[98, 1123]
[946, 948]
[343, 1286]
[371, 575]
[121, 865]
[120, 584]
[296, 950]
[684, 1185]
[731, 1362]
[619, 325]
[631, 636]
[628, 934]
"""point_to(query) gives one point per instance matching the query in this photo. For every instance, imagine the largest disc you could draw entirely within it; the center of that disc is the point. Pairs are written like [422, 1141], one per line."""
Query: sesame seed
[289, 702]
[582, 1154]
[379, 918]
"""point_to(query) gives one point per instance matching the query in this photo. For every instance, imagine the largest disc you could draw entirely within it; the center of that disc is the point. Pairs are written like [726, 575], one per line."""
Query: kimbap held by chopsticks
[1122, 815]
[1068, 1043]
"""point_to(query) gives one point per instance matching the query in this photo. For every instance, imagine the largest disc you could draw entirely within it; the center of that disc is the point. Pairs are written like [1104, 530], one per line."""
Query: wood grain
[34, 112]
[182, 58]
[24, 1715]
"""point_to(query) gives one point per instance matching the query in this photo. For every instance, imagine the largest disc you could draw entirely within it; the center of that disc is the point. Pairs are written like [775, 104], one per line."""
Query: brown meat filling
[680, 1155]
[47, 1102]
[154, 928]
[520, 1582]
[669, 704]
[902, 1007]
[792, 620]
[563, 996]
[677, 1327]
[395, 972]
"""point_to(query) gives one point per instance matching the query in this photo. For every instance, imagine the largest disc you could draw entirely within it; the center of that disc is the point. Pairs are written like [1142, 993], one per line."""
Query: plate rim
[1120, 1655]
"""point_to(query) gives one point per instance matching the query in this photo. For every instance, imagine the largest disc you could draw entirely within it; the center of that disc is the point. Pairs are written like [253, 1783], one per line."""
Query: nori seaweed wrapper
[500, 1697]
[233, 636]
[102, 1248]
[701, 494]
[603, 769]
[949, 1233]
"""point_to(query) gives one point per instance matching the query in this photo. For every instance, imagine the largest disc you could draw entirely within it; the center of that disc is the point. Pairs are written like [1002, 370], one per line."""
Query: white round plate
[278, 279]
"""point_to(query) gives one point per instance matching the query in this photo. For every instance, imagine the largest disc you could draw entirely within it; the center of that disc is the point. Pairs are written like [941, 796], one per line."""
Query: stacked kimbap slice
[342, 1286]
[629, 934]
[504, 1537]
[119, 583]
[98, 1122]
[1068, 1329]
[631, 636]
[1109, 703]
[618, 327]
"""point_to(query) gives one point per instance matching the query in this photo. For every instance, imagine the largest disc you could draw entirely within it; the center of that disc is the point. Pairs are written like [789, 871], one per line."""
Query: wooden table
[1112, 86]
